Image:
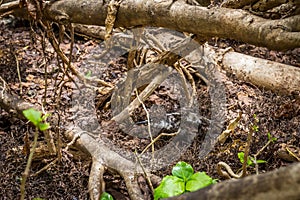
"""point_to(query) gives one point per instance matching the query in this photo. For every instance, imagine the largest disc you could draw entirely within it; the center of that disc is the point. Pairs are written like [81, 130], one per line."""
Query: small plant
[271, 138]
[106, 196]
[38, 121]
[252, 161]
[243, 156]
[183, 180]
[88, 74]
[249, 160]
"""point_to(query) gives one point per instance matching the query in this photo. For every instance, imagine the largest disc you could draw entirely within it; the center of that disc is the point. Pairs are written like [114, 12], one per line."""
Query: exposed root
[111, 160]
[96, 182]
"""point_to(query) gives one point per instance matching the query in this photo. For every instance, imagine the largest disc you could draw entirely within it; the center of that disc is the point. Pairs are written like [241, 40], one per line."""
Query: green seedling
[106, 196]
[249, 160]
[271, 139]
[255, 127]
[36, 118]
[243, 156]
[252, 160]
[88, 74]
[183, 180]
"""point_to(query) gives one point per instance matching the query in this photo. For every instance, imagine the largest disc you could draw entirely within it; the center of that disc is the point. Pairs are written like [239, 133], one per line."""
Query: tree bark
[281, 184]
[280, 78]
[281, 34]
[238, 24]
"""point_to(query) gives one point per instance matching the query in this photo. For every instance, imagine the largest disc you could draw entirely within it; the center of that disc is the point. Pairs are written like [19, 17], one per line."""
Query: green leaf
[44, 117]
[183, 170]
[106, 196]
[249, 162]
[170, 186]
[199, 180]
[260, 161]
[43, 126]
[37, 198]
[255, 128]
[270, 138]
[255, 118]
[88, 74]
[33, 115]
[241, 157]
[36, 118]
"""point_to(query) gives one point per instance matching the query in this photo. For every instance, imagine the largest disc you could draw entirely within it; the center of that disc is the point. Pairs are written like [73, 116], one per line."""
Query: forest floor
[20, 47]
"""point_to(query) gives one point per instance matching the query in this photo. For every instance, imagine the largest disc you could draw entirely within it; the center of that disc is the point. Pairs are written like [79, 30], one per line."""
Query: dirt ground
[68, 179]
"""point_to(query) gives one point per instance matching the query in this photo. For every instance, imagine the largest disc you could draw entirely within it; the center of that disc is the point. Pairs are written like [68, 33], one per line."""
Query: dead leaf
[230, 129]
[243, 97]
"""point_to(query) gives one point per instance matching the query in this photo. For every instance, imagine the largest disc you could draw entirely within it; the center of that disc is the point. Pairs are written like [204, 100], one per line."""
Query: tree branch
[215, 22]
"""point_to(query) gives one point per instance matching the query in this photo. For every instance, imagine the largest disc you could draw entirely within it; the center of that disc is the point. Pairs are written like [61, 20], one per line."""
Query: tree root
[105, 158]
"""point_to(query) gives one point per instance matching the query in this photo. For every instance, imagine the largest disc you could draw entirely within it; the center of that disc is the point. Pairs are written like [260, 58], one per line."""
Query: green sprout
[271, 139]
[252, 160]
[36, 118]
[249, 160]
[88, 74]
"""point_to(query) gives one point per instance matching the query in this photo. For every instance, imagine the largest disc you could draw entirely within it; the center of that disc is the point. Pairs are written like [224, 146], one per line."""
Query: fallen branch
[237, 24]
[279, 78]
